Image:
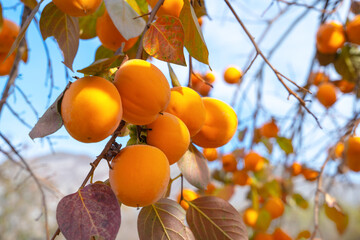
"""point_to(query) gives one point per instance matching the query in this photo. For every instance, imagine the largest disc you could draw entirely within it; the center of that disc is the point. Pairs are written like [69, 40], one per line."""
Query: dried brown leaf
[64, 28]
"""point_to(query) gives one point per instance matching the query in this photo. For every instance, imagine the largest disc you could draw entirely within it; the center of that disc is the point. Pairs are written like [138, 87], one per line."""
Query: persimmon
[303, 235]
[253, 161]
[330, 37]
[170, 135]
[144, 91]
[352, 153]
[109, 35]
[204, 89]
[263, 236]
[91, 109]
[229, 162]
[241, 178]
[295, 169]
[188, 195]
[8, 34]
[6, 64]
[345, 86]
[326, 94]
[353, 30]
[275, 207]
[210, 154]
[250, 217]
[220, 124]
[339, 149]
[169, 7]
[78, 8]
[309, 174]
[200, 21]
[139, 175]
[187, 105]
[269, 129]
[210, 189]
[209, 77]
[318, 78]
[279, 234]
[232, 75]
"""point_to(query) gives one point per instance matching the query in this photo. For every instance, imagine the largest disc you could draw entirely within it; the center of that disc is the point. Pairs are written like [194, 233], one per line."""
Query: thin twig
[190, 72]
[43, 197]
[317, 195]
[279, 77]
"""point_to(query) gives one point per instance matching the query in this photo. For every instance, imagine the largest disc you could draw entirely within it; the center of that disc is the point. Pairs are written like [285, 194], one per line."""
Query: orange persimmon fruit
[170, 135]
[330, 37]
[140, 175]
[187, 105]
[78, 8]
[220, 124]
[91, 109]
[144, 91]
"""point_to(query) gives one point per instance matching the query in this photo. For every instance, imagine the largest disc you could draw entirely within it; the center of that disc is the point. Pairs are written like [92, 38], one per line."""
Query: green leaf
[103, 52]
[348, 63]
[125, 18]
[194, 40]
[285, 144]
[87, 24]
[23, 29]
[263, 220]
[164, 40]
[300, 201]
[100, 66]
[64, 28]
[267, 144]
[199, 8]
[143, 5]
[174, 80]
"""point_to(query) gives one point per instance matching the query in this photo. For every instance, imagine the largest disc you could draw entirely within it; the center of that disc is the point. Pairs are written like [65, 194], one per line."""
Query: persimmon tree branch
[38, 184]
[276, 72]
[151, 18]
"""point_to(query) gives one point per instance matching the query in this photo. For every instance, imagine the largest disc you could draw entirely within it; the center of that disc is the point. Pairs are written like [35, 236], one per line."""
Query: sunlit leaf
[163, 220]
[348, 63]
[199, 8]
[285, 144]
[87, 24]
[100, 66]
[91, 211]
[174, 80]
[194, 40]
[263, 220]
[23, 29]
[143, 5]
[103, 52]
[30, 3]
[241, 134]
[51, 121]
[213, 218]
[125, 18]
[300, 201]
[267, 144]
[194, 167]
[164, 40]
[65, 29]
